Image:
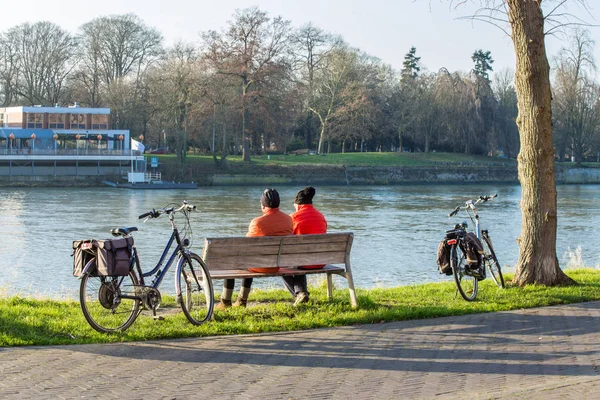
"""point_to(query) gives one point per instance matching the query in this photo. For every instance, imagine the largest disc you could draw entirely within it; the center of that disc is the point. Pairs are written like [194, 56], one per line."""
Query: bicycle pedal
[158, 318]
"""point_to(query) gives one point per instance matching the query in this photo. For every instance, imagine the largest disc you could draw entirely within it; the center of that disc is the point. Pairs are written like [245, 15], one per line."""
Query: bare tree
[251, 48]
[9, 72]
[176, 78]
[310, 47]
[575, 97]
[217, 99]
[41, 56]
[505, 126]
[119, 45]
[336, 74]
[116, 53]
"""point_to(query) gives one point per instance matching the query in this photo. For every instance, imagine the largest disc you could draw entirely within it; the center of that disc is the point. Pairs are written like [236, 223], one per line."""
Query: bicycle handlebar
[486, 198]
[156, 213]
[471, 204]
[453, 213]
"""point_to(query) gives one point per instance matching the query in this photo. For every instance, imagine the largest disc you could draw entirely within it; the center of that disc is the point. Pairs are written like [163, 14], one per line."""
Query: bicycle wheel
[466, 284]
[196, 290]
[102, 305]
[491, 262]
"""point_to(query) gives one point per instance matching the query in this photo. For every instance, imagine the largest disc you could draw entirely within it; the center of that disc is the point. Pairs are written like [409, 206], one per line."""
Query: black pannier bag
[112, 256]
[443, 258]
[473, 249]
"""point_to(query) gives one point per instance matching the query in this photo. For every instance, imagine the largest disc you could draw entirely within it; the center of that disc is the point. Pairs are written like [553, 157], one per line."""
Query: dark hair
[305, 196]
[270, 198]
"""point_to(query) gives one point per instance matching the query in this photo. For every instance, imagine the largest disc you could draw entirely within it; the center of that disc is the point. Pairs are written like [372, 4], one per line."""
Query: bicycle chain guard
[150, 297]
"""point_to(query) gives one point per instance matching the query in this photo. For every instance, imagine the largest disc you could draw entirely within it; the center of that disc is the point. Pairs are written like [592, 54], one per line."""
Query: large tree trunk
[537, 261]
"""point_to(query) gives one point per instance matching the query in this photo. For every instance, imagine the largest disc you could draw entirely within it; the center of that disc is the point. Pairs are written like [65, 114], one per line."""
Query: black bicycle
[112, 303]
[465, 276]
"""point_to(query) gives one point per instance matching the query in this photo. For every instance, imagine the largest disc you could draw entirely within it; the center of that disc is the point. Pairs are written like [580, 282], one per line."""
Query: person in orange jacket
[273, 222]
[306, 220]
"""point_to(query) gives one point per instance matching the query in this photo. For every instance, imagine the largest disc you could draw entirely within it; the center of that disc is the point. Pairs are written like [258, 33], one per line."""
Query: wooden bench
[231, 257]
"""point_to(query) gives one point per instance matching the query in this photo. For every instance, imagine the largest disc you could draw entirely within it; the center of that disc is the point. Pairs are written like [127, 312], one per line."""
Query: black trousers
[295, 284]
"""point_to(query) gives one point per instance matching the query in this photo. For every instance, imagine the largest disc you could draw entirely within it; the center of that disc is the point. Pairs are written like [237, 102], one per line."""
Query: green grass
[25, 321]
[348, 159]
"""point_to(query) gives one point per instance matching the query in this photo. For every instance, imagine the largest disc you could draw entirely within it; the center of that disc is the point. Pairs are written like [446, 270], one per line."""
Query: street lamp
[11, 137]
[32, 142]
[77, 137]
[99, 137]
[55, 137]
[120, 137]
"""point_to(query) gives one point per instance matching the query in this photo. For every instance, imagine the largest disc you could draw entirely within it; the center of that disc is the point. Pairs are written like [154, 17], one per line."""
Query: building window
[35, 120]
[56, 121]
[1, 120]
[77, 121]
[99, 121]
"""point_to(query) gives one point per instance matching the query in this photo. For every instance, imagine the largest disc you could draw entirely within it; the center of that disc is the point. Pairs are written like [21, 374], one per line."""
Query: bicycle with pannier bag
[114, 289]
[467, 255]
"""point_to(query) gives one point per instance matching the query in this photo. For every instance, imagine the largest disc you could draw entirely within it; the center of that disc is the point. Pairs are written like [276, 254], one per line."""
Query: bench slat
[241, 262]
[240, 273]
[244, 250]
[293, 260]
[275, 240]
[248, 249]
[285, 260]
[243, 241]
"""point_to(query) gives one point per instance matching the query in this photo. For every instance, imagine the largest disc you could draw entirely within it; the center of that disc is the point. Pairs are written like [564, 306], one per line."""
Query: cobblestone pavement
[543, 353]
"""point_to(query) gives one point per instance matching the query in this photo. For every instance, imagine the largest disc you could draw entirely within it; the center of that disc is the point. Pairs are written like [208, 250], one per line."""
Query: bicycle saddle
[123, 231]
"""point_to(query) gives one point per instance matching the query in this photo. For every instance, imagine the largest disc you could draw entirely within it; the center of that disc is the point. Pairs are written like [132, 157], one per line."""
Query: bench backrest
[277, 251]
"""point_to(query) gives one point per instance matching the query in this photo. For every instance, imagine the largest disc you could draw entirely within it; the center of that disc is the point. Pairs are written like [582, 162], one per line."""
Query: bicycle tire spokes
[196, 298]
[466, 284]
[491, 261]
[102, 303]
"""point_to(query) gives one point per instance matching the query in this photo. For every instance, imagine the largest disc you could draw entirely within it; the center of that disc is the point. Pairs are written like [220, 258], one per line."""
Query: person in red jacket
[306, 220]
[273, 222]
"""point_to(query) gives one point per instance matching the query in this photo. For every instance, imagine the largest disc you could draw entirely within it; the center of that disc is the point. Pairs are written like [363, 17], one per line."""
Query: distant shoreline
[330, 175]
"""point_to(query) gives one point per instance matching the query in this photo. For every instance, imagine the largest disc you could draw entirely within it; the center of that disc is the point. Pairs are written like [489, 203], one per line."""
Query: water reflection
[397, 228]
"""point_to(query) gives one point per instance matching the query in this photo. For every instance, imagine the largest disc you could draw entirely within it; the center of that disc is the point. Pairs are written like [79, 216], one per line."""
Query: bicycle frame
[490, 261]
[179, 253]
[470, 206]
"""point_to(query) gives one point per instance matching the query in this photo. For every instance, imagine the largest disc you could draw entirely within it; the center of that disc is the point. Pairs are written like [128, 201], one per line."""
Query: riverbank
[27, 321]
[248, 174]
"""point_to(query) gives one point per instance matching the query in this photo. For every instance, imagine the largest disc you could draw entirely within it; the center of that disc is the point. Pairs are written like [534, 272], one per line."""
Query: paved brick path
[544, 353]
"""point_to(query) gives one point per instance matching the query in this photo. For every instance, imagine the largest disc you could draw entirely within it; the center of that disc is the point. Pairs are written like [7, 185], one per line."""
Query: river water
[397, 228]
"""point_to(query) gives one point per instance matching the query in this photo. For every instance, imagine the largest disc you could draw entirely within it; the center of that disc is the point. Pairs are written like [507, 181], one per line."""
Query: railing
[152, 176]
[70, 152]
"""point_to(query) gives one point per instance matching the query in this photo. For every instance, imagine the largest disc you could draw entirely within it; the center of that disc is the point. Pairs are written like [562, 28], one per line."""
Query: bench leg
[329, 286]
[353, 300]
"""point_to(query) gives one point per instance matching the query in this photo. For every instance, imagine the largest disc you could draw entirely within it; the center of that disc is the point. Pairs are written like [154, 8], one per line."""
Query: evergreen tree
[411, 65]
[483, 63]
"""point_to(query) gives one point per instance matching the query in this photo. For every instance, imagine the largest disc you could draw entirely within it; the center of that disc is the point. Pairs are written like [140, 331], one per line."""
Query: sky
[386, 29]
